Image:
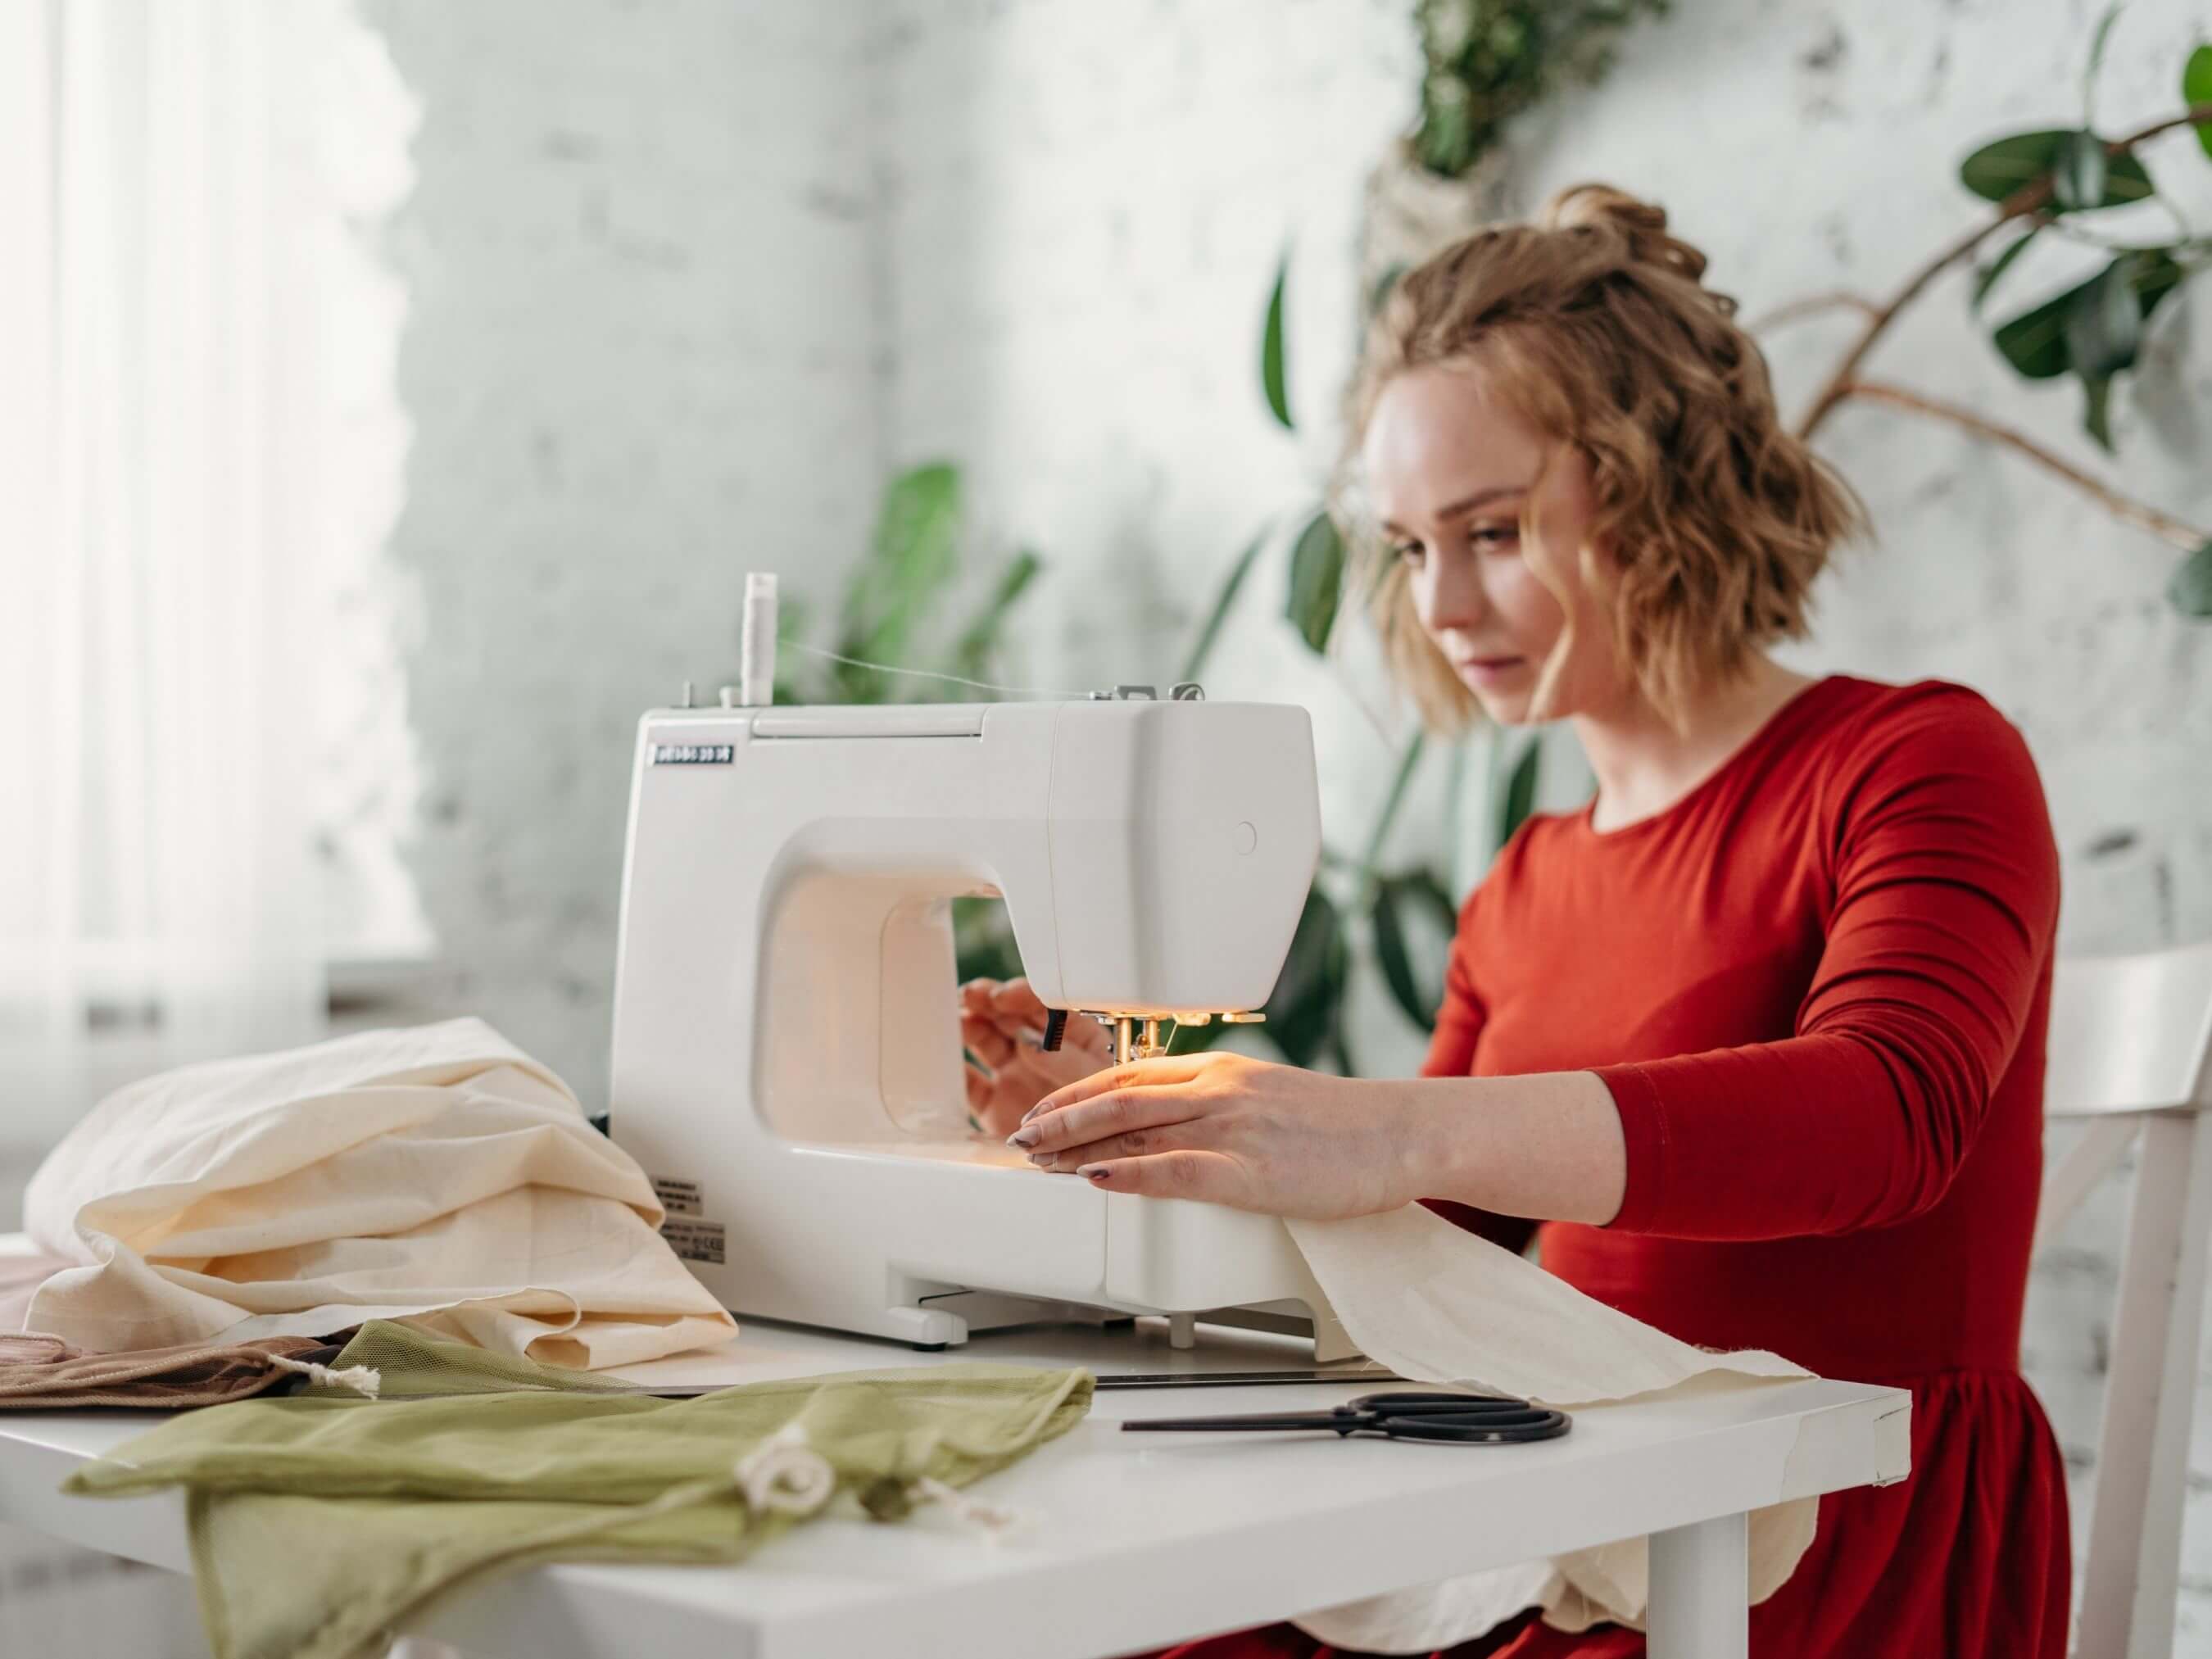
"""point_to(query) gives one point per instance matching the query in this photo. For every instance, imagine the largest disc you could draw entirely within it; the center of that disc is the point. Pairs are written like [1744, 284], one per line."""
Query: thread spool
[756, 650]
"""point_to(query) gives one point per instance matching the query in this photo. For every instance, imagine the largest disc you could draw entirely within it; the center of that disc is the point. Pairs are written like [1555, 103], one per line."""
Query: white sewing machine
[787, 1054]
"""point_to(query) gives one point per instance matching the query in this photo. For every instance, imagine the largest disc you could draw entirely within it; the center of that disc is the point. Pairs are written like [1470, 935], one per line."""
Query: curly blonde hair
[1594, 326]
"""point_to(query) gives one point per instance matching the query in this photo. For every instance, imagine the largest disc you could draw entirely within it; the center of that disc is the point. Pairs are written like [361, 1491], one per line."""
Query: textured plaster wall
[640, 356]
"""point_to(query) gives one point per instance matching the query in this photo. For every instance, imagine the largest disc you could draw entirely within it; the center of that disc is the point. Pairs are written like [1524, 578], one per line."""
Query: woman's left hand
[1228, 1129]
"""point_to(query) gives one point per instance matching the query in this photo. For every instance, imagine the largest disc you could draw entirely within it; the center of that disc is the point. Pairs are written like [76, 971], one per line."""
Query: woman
[1756, 1037]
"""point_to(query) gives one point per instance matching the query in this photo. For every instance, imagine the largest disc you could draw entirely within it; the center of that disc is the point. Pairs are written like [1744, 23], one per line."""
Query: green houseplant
[891, 612]
[2048, 186]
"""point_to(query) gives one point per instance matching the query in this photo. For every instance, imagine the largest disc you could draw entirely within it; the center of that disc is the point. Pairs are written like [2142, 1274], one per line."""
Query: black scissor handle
[1445, 1419]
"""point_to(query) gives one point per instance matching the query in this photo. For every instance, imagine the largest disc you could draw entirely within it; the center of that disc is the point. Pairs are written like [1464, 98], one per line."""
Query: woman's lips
[1490, 670]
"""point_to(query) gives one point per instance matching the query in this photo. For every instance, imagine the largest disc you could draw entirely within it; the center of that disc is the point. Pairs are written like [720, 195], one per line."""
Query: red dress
[1817, 987]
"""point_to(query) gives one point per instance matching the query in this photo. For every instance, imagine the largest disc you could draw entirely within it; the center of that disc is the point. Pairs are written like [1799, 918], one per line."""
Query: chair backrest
[2131, 1049]
[2130, 1034]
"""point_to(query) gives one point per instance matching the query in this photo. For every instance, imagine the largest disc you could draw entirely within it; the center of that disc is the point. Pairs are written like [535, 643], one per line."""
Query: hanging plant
[1484, 62]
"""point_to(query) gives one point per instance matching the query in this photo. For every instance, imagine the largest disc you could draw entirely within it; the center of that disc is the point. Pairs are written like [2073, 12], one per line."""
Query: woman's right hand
[1001, 1024]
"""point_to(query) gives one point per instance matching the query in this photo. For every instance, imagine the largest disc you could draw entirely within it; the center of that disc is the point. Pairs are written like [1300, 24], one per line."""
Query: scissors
[1460, 1419]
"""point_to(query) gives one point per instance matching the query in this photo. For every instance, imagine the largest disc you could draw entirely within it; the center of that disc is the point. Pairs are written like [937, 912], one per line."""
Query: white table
[1134, 1542]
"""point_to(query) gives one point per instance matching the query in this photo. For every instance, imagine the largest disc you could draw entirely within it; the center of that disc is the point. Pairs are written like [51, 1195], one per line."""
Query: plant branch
[2031, 197]
[2125, 509]
[1813, 305]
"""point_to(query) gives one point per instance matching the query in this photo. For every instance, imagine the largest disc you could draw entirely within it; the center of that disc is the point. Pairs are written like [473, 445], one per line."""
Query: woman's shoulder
[1870, 729]
[1876, 709]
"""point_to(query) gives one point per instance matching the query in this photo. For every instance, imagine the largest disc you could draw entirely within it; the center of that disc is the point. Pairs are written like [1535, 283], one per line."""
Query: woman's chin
[1503, 705]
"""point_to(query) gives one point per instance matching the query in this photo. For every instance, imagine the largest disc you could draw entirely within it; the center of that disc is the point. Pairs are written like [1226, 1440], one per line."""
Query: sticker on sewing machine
[677, 1197]
[695, 1241]
[693, 754]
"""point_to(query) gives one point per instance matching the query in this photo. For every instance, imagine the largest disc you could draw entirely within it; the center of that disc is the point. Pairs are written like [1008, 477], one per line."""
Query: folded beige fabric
[21, 1272]
[44, 1373]
[1436, 1303]
[436, 1173]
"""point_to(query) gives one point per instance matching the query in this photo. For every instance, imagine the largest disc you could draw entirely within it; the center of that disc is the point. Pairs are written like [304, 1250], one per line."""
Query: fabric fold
[1437, 1304]
[322, 1521]
[434, 1172]
[44, 1373]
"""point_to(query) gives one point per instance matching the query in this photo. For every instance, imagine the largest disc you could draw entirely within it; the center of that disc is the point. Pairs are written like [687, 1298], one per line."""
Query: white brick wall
[685, 278]
[640, 356]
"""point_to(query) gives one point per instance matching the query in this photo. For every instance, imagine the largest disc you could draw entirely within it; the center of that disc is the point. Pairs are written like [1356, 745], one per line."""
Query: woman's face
[1452, 474]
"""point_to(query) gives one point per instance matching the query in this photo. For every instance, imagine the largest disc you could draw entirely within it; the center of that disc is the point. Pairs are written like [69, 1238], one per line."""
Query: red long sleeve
[1946, 896]
[1818, 986]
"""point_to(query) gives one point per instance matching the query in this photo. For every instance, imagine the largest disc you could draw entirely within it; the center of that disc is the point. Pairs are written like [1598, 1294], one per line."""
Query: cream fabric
[436, 1173]
[1438, 1305]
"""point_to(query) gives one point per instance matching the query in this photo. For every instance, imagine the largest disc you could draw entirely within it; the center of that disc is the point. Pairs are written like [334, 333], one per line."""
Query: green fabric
[320, 1521]
[410, 1361]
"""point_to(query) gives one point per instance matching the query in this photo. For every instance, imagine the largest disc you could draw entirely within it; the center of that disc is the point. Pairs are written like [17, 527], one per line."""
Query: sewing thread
[931, 674]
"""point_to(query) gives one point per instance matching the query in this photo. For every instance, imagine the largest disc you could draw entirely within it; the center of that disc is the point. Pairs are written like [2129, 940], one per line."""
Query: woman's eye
[1409, 551]
[1494, 535]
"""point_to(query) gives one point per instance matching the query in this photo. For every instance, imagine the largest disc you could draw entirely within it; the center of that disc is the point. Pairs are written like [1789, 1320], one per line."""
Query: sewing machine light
[1143, 1036]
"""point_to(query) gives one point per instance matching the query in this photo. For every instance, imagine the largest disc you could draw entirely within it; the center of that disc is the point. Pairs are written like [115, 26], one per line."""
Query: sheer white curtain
[160, 382]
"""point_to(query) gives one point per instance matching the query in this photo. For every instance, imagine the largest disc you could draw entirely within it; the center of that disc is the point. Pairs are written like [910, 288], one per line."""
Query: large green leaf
[1996, 170]
[2077, 179]
[1307, 1002]
[1202, 647]
[1416, 895]
[2036, 343]
[910, 564]
[1408, 764]
[2190, 590]
[2196, 90]
[1316, 581]
[1987, 278]
[2097, 410]
[978, 644]
[2104, 326]
[1271, 380]
[1520, 797]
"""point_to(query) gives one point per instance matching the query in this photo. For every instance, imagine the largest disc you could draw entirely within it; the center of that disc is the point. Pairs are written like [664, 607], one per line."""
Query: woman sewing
[1756, 1037]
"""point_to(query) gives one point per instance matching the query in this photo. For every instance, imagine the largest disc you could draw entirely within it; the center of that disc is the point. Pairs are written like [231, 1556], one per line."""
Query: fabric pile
[471, 1462]
[216, 1222]
[1438, 1305]
[46, 1373]
[435, 1173]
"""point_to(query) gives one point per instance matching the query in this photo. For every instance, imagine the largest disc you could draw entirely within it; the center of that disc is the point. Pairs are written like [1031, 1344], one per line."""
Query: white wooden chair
[2131, 1049]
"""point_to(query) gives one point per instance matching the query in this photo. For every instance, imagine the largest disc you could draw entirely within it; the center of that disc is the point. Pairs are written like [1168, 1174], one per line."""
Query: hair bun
[1642, 225]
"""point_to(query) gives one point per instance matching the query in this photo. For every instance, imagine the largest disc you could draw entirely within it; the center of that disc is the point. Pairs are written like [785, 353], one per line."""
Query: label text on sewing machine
[695, 1241]
[677, 1197]
[693, 753]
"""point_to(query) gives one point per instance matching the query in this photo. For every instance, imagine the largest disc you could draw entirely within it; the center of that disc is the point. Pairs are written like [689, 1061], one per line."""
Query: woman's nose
[1449, 594]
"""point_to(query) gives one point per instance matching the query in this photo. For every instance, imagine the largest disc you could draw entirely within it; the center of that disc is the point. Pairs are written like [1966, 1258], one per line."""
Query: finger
[1016, 1001]
[979, 1001]
[1137, 1073]
[1115, 1112]
[979, 1091]
[1132, 1143]
[987, 1043]
[1209, 1177]
[1034, 1074]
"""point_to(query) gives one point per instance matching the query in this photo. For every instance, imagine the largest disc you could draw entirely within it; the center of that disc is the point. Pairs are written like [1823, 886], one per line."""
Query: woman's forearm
[1548, 1146]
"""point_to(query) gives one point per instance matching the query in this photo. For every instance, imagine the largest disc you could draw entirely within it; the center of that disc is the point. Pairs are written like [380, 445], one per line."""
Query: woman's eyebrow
[1466, 504]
